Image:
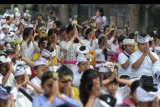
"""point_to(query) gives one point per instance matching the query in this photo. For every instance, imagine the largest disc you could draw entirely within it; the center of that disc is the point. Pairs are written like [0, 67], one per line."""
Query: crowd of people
[44, 63]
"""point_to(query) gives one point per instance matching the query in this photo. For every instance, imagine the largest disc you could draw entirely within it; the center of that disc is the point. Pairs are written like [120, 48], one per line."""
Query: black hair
[143, 35]
[108, 75]
[131, 36]
[101, 11]
[147, 83]
[36, 38]
[87, 84]
[52, 31]
[69, 28]
[101, 39]
[123, 77]
[47, 75]
[26, 32]
[88, 31]
[58, 23]
[40, 25]
[120, 39]
[112, 32]
[62, 29]
[105, 51]
[105, 27]
[36, 67]
[135, 85]
[41, 40]
[64, 70]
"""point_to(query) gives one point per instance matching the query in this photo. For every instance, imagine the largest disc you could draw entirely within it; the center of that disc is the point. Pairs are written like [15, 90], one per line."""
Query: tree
[134, 17]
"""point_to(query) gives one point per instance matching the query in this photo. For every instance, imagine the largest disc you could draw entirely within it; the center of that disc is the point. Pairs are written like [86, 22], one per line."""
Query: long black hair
[87, 84]
[27, 32]
[105, 51]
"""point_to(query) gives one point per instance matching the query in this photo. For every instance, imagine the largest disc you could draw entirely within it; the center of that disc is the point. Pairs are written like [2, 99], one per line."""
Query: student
[83, 65]
[123, 57]
[143, 59]
[65, 83]
[90, 91]
[51, 96]
[6, 71]
[39, 67]
[22, 88]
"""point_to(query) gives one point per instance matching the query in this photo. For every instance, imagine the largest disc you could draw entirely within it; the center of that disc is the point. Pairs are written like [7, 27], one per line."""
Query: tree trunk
[134, 17]
[64, 12]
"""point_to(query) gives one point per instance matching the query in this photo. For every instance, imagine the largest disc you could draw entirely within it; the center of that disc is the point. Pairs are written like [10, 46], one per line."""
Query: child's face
[112, 87]
[20, 79]
[49, 87]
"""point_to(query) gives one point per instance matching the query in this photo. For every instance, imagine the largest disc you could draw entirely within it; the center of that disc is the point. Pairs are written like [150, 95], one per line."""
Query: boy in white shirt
[22, 88]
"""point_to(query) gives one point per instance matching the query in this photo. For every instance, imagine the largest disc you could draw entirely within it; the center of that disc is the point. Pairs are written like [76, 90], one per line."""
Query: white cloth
[118, 95]
[94, 45]
[76, 78]
[10, 82]
[20, 99]
[122, 58]
[36, 81]
[157, 50]
[99, 55]
[146, 66]
[2, 35]
[114, 47]
[144, 96]
[28, 51]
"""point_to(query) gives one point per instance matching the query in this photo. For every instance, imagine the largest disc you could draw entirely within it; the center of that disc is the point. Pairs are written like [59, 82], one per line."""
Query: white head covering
[20, 70]
[47, 53]
[81, 58]
[145, 39]
[144, 96]
[85, 51]
[28, 70]
[9, 47]
[5, 26]
[3, 59]
[128, 42]
[4, 95]
[40, 61]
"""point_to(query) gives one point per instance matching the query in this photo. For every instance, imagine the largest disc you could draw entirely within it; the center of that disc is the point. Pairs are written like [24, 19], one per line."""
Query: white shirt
[20, 99]
[146, 66]
[2, 35]
[122, 58]
[157, 50]
[28, 51]
[36, 81]
[76, 78]
[99, 55]
[94, 45]
[103, 22]
[10, 81]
